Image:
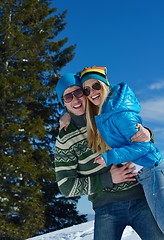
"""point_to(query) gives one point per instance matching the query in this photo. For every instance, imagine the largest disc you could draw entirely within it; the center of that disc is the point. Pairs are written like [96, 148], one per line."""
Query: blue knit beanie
[68, 80]
[99, 73]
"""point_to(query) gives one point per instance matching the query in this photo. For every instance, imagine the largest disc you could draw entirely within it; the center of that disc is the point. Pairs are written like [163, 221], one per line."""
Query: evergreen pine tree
[60, 212]
[30, 56]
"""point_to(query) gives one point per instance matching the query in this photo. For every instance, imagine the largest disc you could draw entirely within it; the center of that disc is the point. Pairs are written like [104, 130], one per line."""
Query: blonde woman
[112, 114]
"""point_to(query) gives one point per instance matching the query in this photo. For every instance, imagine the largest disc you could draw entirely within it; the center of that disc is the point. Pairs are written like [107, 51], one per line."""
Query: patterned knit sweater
[77, 175]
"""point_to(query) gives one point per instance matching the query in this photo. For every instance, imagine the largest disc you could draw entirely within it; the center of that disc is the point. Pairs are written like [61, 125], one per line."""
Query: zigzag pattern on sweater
[71, 154]
[121, 187]
[79, 187]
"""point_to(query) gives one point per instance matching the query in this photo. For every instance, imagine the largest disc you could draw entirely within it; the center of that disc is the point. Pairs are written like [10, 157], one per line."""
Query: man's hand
[143, 135]
[123, 174]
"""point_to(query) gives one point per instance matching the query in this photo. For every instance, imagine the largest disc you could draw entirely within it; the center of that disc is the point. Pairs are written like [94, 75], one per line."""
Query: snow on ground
[83, 231]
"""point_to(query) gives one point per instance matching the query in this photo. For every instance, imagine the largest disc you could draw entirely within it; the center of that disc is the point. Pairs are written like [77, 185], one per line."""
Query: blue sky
[126, 36]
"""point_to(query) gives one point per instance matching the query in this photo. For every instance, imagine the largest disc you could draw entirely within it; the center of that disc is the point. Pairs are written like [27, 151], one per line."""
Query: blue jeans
[112, 219]
[152, 181]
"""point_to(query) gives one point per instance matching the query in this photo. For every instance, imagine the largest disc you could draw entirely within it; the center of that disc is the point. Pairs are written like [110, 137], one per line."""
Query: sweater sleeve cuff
[151, 134]
[106, 180]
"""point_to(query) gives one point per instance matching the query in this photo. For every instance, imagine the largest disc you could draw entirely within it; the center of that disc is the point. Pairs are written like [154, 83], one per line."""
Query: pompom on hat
[66, 81]
[94, 72]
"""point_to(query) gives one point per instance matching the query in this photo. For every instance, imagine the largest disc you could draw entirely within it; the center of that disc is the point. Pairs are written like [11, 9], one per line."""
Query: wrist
[151, 134]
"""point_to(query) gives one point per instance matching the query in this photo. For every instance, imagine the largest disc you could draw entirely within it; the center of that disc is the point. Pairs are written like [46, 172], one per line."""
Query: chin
[96, 103]
[78, 112]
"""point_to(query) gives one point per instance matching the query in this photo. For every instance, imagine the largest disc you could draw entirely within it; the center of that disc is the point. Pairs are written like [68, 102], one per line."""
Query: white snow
[83, 231]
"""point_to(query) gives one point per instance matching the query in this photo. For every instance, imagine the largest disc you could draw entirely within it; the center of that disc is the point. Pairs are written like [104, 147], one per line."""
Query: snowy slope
[83, 231]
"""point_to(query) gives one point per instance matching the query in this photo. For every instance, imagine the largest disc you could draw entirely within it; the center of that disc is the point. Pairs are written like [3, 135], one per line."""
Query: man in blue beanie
[68, 80]
[117, 198]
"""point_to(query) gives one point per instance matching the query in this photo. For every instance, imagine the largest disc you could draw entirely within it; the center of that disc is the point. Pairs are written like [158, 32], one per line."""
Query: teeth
[77, 106]
[95, 96]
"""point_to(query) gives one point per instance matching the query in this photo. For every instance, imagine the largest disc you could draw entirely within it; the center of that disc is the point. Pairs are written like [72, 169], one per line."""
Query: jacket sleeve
[70, 181]
[136, 152]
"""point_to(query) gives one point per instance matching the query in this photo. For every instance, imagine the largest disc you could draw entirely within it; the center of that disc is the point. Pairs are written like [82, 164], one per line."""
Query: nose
[75, 99]
[92, 90]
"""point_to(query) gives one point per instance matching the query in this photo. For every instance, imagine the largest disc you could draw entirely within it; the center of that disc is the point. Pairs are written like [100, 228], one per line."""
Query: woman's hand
[64, 121]
[100, 160]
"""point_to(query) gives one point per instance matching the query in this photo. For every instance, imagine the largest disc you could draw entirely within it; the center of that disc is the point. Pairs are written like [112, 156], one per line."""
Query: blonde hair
[95, 141]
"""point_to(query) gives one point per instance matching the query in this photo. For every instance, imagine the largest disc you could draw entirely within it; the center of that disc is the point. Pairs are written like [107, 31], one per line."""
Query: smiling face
[77, 104]
[95, 90]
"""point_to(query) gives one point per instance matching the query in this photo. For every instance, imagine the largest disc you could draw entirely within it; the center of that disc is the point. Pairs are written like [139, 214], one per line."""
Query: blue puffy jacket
[117, 124]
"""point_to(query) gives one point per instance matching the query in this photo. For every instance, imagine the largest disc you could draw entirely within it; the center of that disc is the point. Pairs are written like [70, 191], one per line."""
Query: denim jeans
[152, 181]
[112, 219]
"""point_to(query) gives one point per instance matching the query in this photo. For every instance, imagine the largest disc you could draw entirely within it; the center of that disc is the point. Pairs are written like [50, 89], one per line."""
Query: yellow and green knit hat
[94, 72]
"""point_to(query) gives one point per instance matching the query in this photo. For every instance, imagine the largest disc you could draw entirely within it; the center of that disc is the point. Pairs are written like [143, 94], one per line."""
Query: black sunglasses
[78, 93]
[95, 86]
